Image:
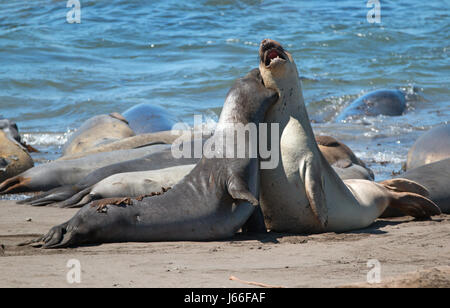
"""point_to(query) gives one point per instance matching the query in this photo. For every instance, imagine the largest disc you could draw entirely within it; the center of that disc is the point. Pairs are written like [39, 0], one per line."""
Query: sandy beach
[410, 253]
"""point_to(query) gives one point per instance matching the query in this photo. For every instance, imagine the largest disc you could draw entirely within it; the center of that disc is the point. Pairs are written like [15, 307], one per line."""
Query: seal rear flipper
[238, 190]
[314, 190]
[410, 198]
[54, 195]
[414, 205]
[74, 201]
[15, 184]
[405, 185]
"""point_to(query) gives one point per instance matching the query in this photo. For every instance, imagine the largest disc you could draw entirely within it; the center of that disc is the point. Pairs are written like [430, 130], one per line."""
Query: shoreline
[402, 245]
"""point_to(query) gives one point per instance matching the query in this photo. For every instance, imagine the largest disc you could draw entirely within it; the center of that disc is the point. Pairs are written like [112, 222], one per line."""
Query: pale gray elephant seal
[303, 194]
[435, 177]
[212, 202]
[131, 184]
[379, 102]
[146, 118]
[97, 131]
[432, 146]
[343, 160]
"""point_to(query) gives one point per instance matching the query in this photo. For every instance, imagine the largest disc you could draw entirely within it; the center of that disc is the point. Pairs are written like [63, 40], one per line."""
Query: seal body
[14, 159]
[212, 202]
[163, 137]
[58, 173]
[147, 118]
[303, 194]
[432, 146]
[97, 131]
[128, 184]
[379, 102]
[343, 160]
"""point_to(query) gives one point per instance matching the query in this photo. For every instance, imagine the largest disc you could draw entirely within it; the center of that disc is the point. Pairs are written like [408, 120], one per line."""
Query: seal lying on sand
[303, 194]
[164, 137]
[385, 102]
[58, 173]
[14, 159]
[101, 129]
[212, 202]
[147, 118]
[432, 146]
[71, 194]
[435, 177]
[128, 184]
[343, 160]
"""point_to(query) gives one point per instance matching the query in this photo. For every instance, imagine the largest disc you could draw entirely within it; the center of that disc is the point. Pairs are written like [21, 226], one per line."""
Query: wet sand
[411, 253]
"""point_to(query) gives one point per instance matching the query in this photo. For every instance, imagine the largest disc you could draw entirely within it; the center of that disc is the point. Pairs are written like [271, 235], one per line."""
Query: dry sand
[411, 253]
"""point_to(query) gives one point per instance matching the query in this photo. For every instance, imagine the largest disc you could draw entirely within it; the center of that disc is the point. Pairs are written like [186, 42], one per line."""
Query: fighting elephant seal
[147, 118]
[212, 202]
[435, 178]
[343, 160]
[14, 159]
[379, 102]
[432, 146]
[98, 130]
[303, 194]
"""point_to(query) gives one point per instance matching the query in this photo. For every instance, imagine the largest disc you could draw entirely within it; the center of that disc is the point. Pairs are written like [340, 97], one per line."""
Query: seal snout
[271, 51]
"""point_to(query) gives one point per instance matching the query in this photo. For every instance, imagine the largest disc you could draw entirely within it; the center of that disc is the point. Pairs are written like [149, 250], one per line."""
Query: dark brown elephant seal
[97, 131]
[212, 202]
[432, 146]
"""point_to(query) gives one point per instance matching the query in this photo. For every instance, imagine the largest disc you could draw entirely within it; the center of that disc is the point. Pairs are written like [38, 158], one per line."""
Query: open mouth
[271, 52]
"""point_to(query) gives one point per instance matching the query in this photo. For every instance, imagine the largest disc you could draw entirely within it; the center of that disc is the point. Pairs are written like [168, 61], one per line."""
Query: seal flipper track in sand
[410, 198]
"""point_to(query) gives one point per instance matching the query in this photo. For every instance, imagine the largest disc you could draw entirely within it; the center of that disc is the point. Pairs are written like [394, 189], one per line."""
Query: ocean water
[185, 55]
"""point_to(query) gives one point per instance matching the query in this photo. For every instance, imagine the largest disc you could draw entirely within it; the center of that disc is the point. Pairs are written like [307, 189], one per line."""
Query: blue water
[184, 56]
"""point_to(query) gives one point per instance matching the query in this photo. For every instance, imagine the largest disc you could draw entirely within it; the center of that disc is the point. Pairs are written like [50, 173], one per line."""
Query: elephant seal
[435, 178]
[432, 146]
[14, 159]
[303, 194]
[212, 202]
[57, 173]
[343, 160]
[69, 194]
[12, 132]
[147, 118]
[164, 137]
[131, 184]
[96, 131]
[379, 102]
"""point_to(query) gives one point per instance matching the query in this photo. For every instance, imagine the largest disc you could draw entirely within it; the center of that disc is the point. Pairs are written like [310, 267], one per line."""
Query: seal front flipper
[238, 190]
[311, 174]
